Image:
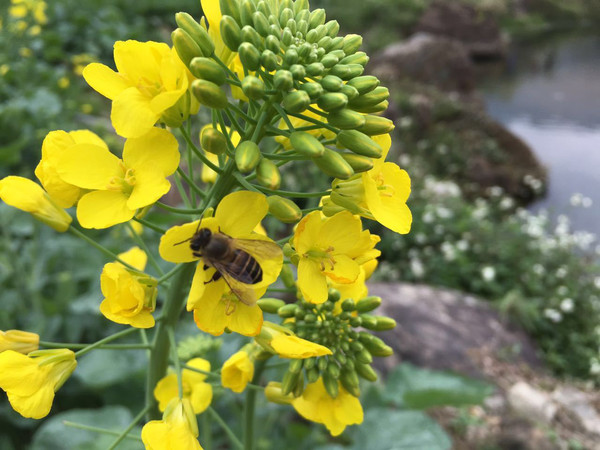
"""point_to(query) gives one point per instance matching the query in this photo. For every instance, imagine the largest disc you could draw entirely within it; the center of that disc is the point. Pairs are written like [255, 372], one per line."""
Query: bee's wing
[259, 248]
[243, 291]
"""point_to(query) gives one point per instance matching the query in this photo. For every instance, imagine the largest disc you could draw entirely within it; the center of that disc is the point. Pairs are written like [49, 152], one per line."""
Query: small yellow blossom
[119, 187]
[130, 297]
[330, 249]
[195, 389]
[35, 30]
[316, 405]
[238, 370]
[4, 68]
[379, 194]
[31, 381]
[215, 306]
[25, 52]
[63, 82]
[86, 108]
[178, 428]
[18, 341]
[29, 196]
[281, 341]
[150, 79]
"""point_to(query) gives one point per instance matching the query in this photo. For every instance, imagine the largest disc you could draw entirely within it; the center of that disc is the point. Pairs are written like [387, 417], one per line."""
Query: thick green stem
[250, 407]
[159, 357]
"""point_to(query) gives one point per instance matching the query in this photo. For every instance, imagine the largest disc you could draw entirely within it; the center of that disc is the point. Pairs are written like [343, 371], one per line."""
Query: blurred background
[497, 112]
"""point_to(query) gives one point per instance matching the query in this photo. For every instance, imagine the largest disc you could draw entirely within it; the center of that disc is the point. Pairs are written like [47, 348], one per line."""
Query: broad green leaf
[416, 388]
[55, 435]
[103, 368]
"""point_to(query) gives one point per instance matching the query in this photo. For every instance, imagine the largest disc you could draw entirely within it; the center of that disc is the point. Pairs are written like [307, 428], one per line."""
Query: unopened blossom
[19, 341]
[195, 388]
[178, 428]
[238, 370]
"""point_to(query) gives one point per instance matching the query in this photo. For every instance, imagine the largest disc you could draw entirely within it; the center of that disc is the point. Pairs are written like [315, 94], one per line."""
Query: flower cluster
[295, 79]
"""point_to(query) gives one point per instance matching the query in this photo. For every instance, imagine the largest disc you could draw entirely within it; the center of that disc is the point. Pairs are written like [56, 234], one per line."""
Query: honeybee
[234, 260]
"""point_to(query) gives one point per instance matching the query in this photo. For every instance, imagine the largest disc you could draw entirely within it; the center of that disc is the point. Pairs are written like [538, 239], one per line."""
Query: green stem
[48, 344]
[190, 183]
[150, 225]
[181, 190]
[126, 431]
[140, 241]
[101, 342]
[316, 122]
[190, 162]
[250, 407]
[169, 274]
[206, 432]
[183, 211]
[100, 247]
[159, 357]
[285, 117]
[199, 152]
[176, 361]
[232, 437]
[81, 426]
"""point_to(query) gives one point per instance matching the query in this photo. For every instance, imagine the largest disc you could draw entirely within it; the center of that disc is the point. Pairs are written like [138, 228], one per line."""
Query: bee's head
[200, 239]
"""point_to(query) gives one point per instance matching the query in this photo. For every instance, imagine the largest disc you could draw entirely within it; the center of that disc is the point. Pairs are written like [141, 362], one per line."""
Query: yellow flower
[331, 248]
[238, 370]
[63, 82]
[316, 405]
[215, 306]
[18, 341]
[28, 196]
[31, 381]
[119, 187]
[379, 194]
[150, 79]
[195, 389]
[25, 52]
[130, 297]
[274, 394]
[281, 341]
[209, 175]
[55, 143]
[177, 430]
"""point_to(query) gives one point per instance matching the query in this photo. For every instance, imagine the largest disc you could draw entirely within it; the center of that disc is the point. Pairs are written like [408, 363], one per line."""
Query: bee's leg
[206, 267]
[197, 255]
[216, 276]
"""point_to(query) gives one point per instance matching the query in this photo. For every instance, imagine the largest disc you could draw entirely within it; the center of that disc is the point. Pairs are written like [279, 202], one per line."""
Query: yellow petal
[87, 137]
[36, 406]
[131, 114]
[201, 397]
[139, 60]
[150, 186]
[88, 166]
[246, 320]
[158, 148]
[104, 80]
[307, 232]
[345, 270]
[135, 257]
[237, 372]
[288, 346]
[340, 231]
[238, 213]
[212, 12]
[166, 390]
[202, 287]
[311, 281]
[103, 209]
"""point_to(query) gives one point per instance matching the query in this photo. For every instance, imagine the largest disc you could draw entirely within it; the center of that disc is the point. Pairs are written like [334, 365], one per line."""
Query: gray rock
[428, 59]
[476, 30]
[578, 403]
[527, 401]
[438, 328]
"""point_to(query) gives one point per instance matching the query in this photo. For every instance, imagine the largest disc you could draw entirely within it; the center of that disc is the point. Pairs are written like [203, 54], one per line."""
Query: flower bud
[357, 58]
[359, 163]
[274, 394]
[332, 101]
[364, 84]
[247, 9]
[375, 125]
[333, 28]
[346, 71]
[253, 87]
[296, 365]
[196, 31]
[348, 305]
[287, 276]
[273, 44]
[288, 383]
[287, 37]
[270, 305]
[209, 94]
[334, 165]
[260, 23]
[365, 371]
[336, 46]
[346, 119]
[186, 47]
[250, 35]
[349, 92]
[30, 197]
[359, 143]
[249, 56]
[296, 101]
[368, 304]
[306, 144]
[283, 80]
[332, 83]
[312, 374]
[230, 32]
[230, 8]
[287, 310]
[381, 323]
[19, 341]
[284, 209]
[352, 43]
[350, 381]
[375, 109]
[286, 15]
[213, 141]
[331, 385]
[268, 59]
[267, 174]
[207, 69]
[317, 17]
[374, 345]
[247, 156]
[298, 71]
[376, 96]
[314, 90]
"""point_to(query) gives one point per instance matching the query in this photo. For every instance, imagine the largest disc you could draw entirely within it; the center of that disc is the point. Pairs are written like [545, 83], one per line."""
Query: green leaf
[416, 388]
[55, 435]
[104, 368]
[385, 429]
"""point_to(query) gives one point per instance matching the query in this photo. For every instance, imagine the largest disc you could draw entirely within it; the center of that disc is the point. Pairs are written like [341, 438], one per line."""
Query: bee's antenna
[187, 240]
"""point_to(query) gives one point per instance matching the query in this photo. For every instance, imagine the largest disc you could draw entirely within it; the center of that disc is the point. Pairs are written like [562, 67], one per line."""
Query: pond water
[548, 93]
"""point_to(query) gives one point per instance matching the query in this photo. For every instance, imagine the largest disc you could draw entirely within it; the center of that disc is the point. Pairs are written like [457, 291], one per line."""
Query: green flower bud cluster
[294, 57]
[197, 346]
[334, 324]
